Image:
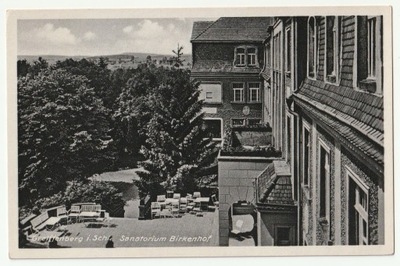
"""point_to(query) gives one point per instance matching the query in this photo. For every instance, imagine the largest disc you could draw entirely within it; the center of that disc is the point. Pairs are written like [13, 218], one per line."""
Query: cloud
[89, 36]
[49, 33]
[152, 37]
[127, 29]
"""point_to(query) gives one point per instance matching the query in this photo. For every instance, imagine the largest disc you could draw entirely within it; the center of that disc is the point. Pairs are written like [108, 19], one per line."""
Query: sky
[77, 37]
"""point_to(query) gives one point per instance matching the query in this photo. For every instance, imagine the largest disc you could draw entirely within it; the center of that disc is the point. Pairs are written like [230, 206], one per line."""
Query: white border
[207, 3]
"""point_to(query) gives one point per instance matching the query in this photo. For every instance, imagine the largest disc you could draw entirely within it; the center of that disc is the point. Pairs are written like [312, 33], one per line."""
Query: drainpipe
[289, 102]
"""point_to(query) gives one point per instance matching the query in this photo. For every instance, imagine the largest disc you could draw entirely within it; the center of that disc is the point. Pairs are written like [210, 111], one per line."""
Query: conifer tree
[178, 150]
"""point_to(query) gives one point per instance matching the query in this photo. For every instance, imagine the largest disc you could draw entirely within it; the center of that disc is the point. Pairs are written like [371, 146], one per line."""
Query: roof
[254, 29]
[355, 117]
[360, 110]
[275, 185]
[199, 27]
[369, 149]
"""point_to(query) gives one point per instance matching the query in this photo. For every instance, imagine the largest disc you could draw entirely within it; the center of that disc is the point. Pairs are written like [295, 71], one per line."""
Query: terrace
[183, 231]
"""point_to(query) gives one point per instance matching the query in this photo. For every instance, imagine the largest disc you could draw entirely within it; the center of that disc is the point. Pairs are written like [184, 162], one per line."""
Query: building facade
[228, 56]
[317, 81]
[324, 100]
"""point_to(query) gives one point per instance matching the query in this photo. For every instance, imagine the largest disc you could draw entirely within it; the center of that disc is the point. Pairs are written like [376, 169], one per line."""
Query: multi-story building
[228, 56]
[324, 101]
[320, 87]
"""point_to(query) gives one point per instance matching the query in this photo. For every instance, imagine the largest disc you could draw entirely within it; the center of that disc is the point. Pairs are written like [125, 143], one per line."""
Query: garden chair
[155, 210]
[183, 204]
[175, 208]
[74, 213]
[196, 195]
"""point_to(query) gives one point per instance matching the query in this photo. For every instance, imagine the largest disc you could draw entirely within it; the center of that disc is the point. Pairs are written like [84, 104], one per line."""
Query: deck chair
[74, 213]
[175, 208]
[155, 209]
[183, 204]
[161, 200]
[177, 196]
[196, 195]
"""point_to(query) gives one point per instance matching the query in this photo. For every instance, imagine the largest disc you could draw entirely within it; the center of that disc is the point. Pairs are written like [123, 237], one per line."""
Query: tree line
[77, 118]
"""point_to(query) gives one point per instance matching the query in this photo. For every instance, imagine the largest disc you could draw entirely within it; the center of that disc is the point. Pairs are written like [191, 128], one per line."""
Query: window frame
[327, 167]
[235, 118]
[258, 92]
[363, 80]
[288, 50]
[306, 127]
[222, 126]
[360, 211]
[251, 56]
[206, 101]
[314, 50]
[333, 77]
[242, 89]
[371, 47]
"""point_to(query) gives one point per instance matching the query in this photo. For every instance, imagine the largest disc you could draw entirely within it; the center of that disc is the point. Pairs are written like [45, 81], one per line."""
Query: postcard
[200, 132]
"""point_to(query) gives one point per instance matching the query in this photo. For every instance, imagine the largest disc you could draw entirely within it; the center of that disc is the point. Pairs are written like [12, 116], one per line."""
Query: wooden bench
[39, 223]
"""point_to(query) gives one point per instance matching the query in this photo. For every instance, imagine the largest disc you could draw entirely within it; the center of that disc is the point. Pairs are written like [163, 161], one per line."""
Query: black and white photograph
[201, 129]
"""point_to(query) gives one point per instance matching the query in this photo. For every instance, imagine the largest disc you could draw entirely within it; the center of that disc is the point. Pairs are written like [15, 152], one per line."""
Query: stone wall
[236, 182]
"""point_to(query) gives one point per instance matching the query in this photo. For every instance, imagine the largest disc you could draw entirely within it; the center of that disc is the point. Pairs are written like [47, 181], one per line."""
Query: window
[283, 236]
[312, 48]
[254, 121]
[251, 56]
[369, 70]
[288, 48]
[254, 89]
[371, 47]
[324, 176]
[210, 93]
[240, 57]
[238, 121]
[306, 155]
[333, 41]
[213, 127]
[358, 210]
[238, 89]
[246, 56]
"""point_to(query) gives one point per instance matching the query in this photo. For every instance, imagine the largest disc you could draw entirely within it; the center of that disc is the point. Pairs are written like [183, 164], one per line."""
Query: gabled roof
[199, 27]
[229, 29]
[275, 185]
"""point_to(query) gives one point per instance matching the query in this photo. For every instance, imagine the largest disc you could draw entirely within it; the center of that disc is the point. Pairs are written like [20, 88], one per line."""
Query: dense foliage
[63, 133]
[178, 150]
[77, 118]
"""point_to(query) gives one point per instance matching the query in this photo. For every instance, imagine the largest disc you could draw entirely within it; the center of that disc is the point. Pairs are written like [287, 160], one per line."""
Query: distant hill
[138, 57]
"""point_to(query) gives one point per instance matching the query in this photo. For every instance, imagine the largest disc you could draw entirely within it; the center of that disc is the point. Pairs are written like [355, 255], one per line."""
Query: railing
[261, 181]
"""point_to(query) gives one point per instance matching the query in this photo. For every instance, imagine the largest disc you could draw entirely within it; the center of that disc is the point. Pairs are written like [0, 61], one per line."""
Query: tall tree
[62, 133]
[178, 149]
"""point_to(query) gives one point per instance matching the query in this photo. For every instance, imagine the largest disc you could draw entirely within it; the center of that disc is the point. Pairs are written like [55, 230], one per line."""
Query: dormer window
[251, 56]
[246, 56]
[240, 57]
